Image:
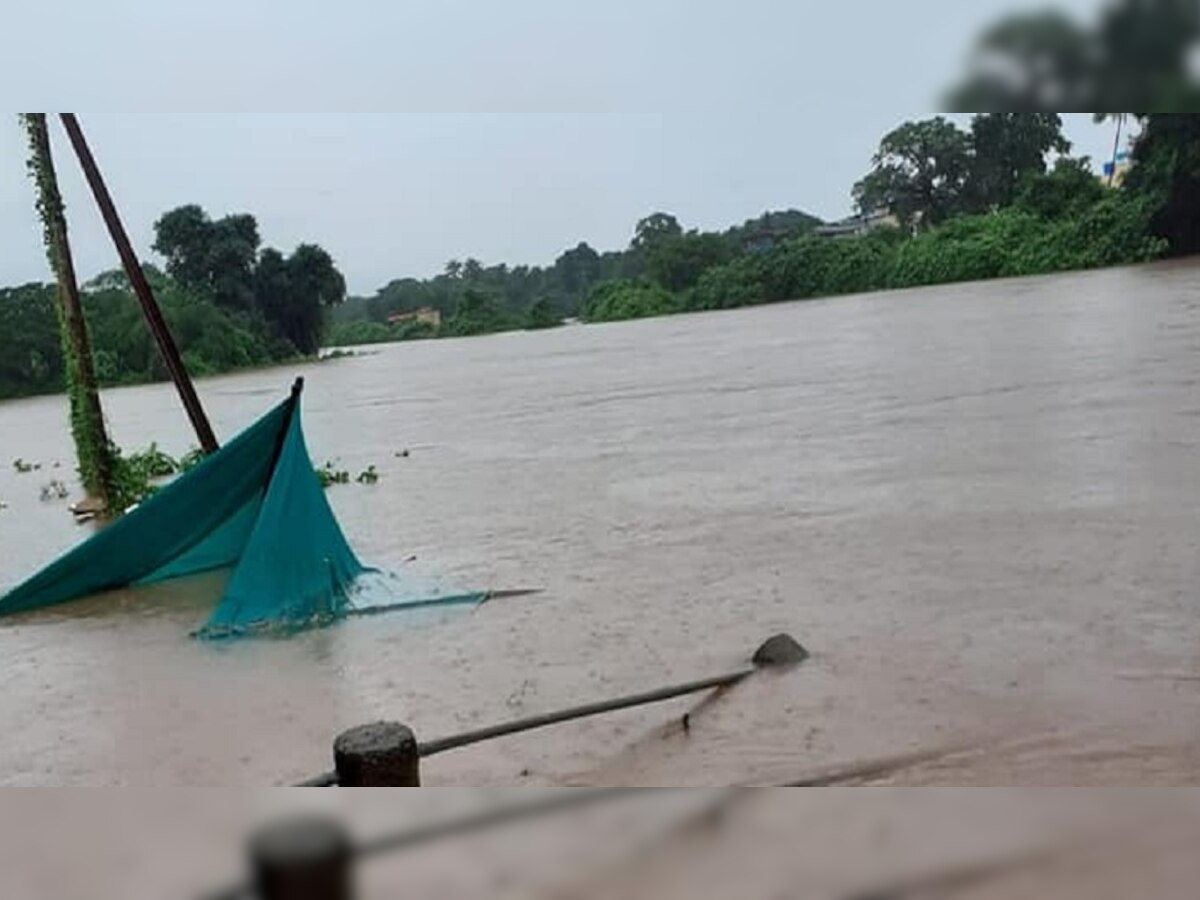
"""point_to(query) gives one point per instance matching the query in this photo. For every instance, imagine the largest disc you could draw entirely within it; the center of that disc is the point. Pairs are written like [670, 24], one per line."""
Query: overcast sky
[570, 120]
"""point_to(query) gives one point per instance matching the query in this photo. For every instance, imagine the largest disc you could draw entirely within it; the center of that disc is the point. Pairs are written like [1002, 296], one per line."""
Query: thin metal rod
[476, 599]
[158, 325]
[441, 745]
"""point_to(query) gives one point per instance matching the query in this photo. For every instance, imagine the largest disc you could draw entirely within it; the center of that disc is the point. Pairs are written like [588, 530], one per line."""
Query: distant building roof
[855, 225]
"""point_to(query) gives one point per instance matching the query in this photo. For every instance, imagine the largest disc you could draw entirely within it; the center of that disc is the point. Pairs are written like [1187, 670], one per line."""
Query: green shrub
[613, 301]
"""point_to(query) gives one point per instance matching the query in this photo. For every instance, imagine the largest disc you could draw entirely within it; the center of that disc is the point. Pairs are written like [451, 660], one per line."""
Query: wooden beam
[158, 325]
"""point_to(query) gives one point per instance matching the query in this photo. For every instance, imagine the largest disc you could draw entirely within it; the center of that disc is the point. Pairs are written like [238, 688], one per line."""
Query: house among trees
[859, 225]
[426, 315]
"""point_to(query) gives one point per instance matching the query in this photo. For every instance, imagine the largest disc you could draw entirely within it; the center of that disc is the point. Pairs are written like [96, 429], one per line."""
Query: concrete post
[383, 754]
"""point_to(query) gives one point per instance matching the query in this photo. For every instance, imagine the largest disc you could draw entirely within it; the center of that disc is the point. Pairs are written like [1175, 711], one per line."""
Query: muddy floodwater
[978, 506]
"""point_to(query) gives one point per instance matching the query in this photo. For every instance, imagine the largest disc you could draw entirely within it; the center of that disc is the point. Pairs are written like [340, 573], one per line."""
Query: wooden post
[306, 858]
[158, 325]
[92, 445]
[383, 754]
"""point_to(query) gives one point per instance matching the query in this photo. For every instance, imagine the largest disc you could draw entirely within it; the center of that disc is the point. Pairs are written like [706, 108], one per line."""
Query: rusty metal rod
[158, 325]
[441, 745]
[779, 652]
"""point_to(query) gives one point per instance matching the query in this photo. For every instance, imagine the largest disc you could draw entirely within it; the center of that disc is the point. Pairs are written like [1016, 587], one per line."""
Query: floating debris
[329, 476]
[368, 476]
[403, 454]
[88, 509]
[23, 468]
[55, 490]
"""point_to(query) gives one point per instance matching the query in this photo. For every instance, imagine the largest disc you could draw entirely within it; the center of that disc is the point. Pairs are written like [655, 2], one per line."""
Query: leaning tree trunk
[92, 446]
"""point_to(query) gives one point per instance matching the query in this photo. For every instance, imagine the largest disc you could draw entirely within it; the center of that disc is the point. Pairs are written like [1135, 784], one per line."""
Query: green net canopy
[255, 506]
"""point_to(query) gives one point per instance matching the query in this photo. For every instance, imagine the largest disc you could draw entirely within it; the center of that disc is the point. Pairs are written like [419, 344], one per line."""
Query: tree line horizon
[1001, 197]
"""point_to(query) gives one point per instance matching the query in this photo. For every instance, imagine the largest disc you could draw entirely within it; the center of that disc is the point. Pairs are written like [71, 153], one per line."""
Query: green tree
[1067, 191]
[1006, 148]
[218, 257]
[541, 315]
[920, 173]
[677, 261]
[314, 285]
[613, 301]
[654, 229]
[578, 269]
[478, 312]
[1166, 176]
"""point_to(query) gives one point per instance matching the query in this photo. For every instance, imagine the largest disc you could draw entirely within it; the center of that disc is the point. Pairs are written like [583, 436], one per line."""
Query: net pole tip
[780, 651]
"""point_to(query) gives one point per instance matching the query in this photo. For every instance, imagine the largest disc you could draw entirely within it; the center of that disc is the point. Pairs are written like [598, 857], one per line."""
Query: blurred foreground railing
[314, 857]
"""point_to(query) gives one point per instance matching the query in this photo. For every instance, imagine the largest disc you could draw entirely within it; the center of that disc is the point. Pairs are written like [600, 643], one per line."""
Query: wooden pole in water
[92, 446]
[158, 325]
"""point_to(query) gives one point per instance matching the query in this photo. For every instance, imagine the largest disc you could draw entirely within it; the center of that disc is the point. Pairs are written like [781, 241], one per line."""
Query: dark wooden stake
[305, 858]
[158, 325]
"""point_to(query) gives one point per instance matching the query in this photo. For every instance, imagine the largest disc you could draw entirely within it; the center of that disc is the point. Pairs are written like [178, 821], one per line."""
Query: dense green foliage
[927, 172]
[612, 301]
[971, 204]
[977, 203]
[211, 339]
[228, 304]
[920, 173]
[220, 260]
[473, 298]
[1166, 175]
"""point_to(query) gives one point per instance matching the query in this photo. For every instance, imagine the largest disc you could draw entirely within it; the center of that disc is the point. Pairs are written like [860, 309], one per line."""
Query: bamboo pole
[158, 325]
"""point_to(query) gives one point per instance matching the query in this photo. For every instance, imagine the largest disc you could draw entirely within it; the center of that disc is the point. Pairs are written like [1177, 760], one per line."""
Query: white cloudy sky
[520, 128]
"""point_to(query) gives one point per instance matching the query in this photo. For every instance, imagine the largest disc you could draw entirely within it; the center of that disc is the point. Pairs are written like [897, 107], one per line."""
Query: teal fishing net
[255, 506]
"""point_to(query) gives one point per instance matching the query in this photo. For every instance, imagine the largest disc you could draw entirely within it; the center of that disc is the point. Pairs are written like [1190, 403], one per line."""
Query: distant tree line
[1002, 197]
[230, 304]
[475, 299]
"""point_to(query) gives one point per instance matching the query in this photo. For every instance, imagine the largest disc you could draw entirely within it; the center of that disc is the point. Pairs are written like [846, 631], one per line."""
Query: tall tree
[654, 228]
[1166, 175]
[93, 448]
[217, 257]
[920, 173]
[297, 291]
[1008, 147]
[578, 269]
[677, 261]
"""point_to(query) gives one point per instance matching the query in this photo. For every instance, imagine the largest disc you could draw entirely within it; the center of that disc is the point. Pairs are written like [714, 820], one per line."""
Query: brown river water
[975, 505]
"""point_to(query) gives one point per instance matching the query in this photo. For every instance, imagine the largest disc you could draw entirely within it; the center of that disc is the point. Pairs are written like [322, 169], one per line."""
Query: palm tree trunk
[1112, 176]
